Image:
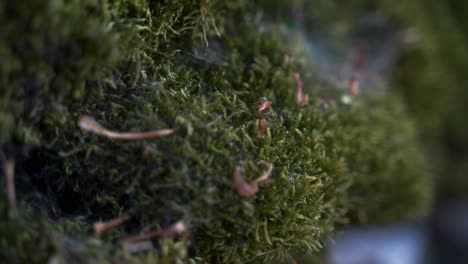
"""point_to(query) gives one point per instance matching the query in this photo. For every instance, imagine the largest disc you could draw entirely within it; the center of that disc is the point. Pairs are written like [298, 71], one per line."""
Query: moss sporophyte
[9, 174]
[89, 124]
[100, 227]
[301, 98]
[248, 189]
[261, 119]
[177, 228]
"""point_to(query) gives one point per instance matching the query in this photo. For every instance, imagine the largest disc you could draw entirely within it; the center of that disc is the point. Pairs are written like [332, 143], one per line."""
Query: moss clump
[154, 71]
[31, 237]
[24, 239]
[384, 184]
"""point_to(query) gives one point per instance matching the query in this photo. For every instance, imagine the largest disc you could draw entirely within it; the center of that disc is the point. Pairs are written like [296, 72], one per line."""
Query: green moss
[384, 185]
[31, 237]
[141, 65]
[21, 235]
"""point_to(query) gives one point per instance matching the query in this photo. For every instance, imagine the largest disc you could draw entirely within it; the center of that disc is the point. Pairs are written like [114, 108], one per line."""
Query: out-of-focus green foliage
[432, 77]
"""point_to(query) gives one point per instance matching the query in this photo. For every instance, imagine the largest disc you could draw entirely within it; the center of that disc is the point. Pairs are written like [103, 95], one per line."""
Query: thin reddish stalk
[263, 105]
[359, 63]
[243, 188]
[177, 228]
[297, 79]
[265, 175]
[261, 128]
[211, 123]
[101, 227]
[262, 121]
[88, 123]
[9, 172]
[360, 58]
[249, 189]
[353, 86]
[301, 98]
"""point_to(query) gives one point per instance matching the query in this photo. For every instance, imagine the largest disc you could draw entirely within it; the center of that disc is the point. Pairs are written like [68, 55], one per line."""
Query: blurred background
[418, 49]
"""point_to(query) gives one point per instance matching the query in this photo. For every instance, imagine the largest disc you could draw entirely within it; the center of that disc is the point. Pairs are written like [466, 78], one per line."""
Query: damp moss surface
[201, 69]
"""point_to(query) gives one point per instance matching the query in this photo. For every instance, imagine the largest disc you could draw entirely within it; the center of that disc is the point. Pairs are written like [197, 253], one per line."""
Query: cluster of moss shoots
[175, 131]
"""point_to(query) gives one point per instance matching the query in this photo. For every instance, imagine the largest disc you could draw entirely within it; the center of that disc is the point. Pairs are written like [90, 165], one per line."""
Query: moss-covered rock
[201, 69]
